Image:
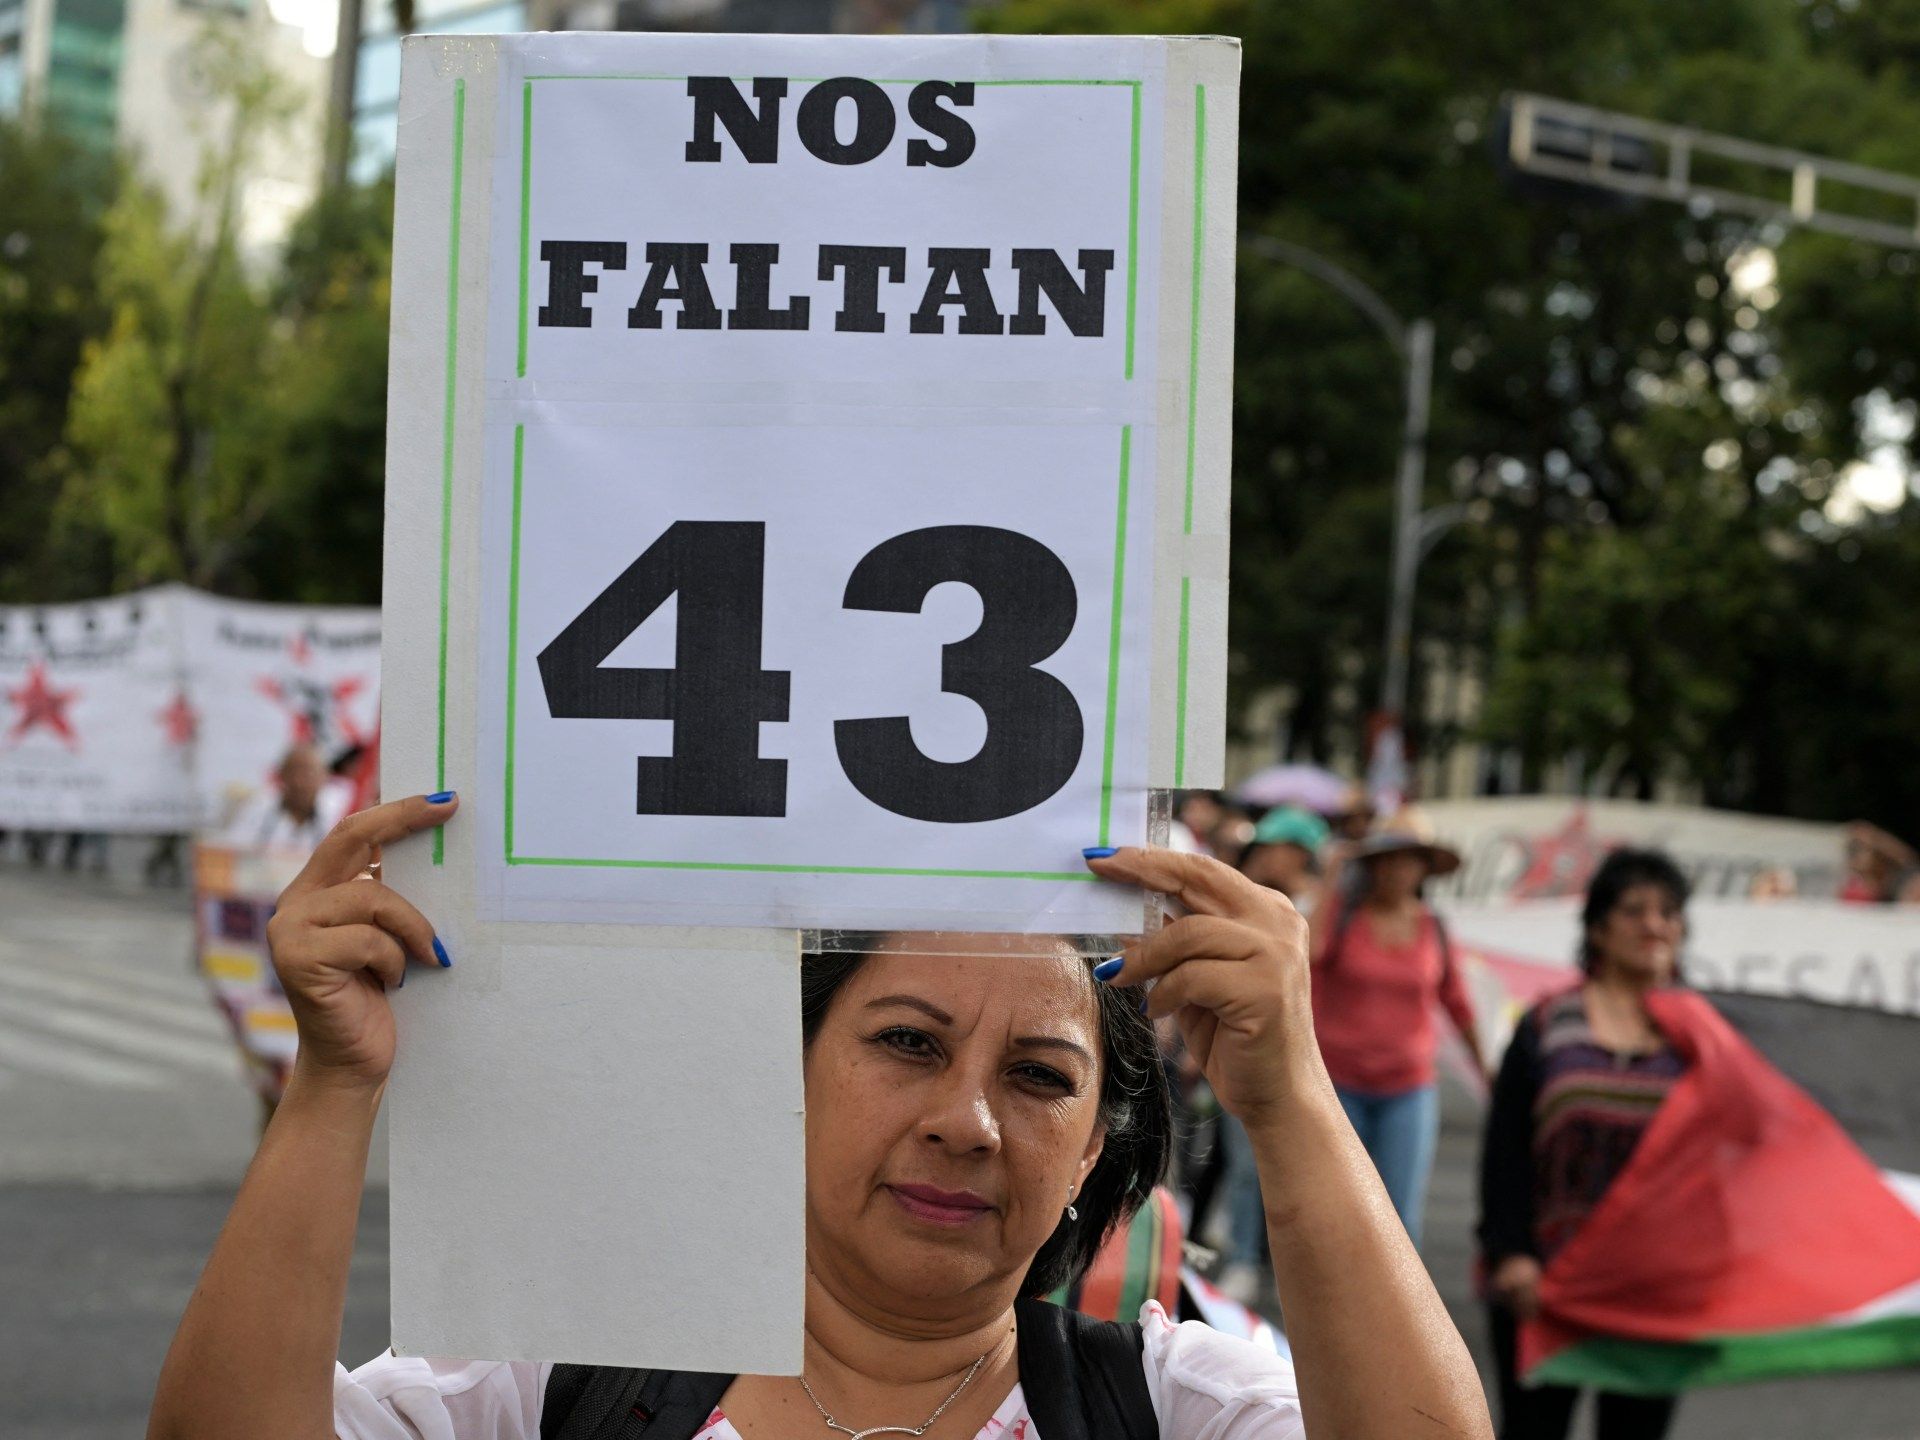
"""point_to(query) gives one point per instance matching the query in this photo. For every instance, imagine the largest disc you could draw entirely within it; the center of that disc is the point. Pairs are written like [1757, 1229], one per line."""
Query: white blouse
[1205, 1386]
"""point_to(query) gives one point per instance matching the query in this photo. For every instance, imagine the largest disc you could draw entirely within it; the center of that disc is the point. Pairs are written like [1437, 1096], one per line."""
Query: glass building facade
[83, 69]
[376, 75]
[13, 74]
[78, 92]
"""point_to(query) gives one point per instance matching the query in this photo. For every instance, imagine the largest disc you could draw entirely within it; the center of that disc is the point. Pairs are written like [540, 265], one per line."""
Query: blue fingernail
[440, 953]
[1100, 852]
[440, 797]
[1107, 969]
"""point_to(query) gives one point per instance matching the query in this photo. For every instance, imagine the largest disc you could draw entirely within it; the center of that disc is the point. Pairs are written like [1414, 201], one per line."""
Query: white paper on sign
[636, 1197]
[572, 795]
[822, 463]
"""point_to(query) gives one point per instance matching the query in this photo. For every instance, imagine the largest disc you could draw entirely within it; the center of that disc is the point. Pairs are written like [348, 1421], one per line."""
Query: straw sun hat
[1409, 829]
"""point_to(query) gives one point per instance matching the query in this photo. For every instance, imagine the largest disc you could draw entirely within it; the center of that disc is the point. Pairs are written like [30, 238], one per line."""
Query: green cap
[1290, 825]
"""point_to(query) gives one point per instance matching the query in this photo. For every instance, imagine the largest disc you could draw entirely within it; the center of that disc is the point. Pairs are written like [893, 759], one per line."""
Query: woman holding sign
[974, 1127]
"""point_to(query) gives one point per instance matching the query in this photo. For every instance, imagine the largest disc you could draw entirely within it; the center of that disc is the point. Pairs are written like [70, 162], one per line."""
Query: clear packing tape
[1155, 910]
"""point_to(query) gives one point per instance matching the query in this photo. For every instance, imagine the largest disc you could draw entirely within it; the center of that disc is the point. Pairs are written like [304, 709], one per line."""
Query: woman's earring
[1072, 1214]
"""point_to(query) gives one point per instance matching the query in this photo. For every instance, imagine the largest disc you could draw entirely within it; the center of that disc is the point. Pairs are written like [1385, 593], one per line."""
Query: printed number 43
[717, 694]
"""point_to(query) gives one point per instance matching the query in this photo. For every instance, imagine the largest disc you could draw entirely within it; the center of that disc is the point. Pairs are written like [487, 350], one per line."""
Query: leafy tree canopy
[1649, 412]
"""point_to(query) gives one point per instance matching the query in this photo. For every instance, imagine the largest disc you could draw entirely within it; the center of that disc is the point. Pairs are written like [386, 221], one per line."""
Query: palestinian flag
[1144, 1259]
[1751, 1236]
[1139, 1261]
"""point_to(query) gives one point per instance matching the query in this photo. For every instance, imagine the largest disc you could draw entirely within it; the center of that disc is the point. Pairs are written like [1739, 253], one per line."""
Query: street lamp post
[1414, 529]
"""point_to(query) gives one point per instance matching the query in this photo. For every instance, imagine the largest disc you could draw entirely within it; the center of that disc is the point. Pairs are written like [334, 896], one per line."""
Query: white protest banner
[807, 507]
[1531, 847]
[1864, 957]
[96, 732]
[264, 678]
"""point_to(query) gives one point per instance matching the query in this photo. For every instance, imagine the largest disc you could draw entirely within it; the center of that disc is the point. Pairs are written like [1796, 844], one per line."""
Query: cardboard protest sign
[96, 729]
[807, 508]
[848, 520]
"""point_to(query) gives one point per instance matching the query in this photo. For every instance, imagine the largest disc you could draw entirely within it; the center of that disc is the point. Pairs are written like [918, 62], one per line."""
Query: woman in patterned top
[1581, 1080]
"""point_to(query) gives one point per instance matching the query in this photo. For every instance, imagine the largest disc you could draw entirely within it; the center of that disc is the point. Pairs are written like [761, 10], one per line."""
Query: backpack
[1081, 1377]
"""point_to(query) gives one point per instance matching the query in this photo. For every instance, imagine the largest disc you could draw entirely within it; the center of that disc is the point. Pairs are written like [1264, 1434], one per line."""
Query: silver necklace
[920, 1429]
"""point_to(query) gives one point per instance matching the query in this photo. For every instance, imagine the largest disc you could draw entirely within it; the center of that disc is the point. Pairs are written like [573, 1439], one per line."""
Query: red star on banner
[38, 703]
[316, 713]
[1562, 863]
[300, 719]
[180, 720]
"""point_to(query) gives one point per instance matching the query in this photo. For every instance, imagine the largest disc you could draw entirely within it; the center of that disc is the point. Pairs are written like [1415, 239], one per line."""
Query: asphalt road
[124, 1128]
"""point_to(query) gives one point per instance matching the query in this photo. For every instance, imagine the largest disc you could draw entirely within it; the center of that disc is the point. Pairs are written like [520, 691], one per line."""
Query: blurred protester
[1382, 963]
[1200, 811]
[1144, 1258]
[289, 819]
[297, 813]
[1581, 1080]
[86, 849]
[1778, 883]
[1875, 861]
[1283, 855]
[1355, 816]
[166, 862]
[1230, 836]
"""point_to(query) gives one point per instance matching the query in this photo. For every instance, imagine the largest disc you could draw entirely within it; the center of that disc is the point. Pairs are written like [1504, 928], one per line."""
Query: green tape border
[1193, 416]
[1113, 633]
[1106, 783]
[513, 622]
[446, 438]
[526, 194]
[1120, 527]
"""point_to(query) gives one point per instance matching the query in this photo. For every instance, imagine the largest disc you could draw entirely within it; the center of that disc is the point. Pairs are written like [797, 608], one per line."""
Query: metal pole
[346, 65]
[1407, 516]
[1414, 530]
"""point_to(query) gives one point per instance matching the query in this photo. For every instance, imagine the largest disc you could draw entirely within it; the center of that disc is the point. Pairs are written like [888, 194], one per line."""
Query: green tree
[1648, 438]
[321, 542]
[50, 235]
[169, 445]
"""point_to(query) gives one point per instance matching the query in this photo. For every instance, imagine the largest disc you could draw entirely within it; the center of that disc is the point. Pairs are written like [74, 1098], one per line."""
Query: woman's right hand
[340, 939]
[1516, 1280]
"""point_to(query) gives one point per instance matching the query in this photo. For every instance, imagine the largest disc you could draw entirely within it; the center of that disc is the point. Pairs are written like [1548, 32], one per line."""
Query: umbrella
[1308, 786]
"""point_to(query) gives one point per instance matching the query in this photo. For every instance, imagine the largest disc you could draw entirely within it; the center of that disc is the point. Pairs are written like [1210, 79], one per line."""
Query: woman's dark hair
[1620, 872]
[1136, 1107]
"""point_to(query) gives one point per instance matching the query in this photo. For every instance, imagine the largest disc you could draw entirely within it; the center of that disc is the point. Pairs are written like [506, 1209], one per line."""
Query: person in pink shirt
[1382, 965]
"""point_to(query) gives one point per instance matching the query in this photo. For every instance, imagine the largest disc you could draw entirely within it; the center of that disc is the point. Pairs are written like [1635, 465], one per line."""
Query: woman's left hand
[1234, 973]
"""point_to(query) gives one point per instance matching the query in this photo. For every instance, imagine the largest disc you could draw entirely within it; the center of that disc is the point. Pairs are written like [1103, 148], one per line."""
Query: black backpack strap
[1342, 922]
[607, 1402]
[1446, 947]
[1082, 1377]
